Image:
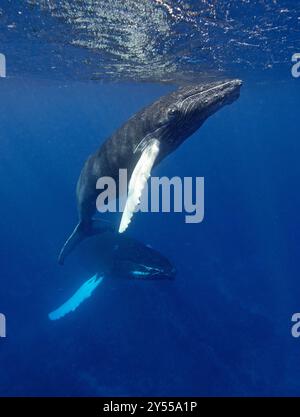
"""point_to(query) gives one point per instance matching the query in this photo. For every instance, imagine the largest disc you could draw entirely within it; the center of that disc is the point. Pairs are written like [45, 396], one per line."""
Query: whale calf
[114, 256]
[141, 143]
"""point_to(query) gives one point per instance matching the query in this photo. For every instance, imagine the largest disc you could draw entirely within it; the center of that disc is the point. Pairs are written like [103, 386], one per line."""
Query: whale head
[135, 260]
[179, 114]
[200, 101]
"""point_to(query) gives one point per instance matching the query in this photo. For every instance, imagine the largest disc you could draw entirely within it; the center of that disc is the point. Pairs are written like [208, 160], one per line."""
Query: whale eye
[173, 111]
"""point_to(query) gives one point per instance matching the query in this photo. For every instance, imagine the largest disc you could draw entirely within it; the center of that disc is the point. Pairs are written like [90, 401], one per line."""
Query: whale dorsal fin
[138, 180]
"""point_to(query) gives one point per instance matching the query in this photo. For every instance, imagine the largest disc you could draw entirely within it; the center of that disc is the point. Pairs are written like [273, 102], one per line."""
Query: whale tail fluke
[82, 231]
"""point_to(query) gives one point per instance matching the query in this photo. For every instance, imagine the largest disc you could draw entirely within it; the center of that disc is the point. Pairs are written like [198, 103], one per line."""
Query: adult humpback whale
[141, 143]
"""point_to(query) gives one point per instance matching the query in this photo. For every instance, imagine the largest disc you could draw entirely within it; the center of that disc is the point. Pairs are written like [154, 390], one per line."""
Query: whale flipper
[84, 292]
[138, 180]
[82, 231]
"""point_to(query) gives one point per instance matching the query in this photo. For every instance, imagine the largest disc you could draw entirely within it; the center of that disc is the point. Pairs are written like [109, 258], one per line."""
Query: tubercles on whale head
[189, 106]
[176, 116]
[206, 98]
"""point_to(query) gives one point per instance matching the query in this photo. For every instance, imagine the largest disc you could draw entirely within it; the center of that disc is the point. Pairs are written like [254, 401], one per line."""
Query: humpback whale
[114, 256]
[141, 143]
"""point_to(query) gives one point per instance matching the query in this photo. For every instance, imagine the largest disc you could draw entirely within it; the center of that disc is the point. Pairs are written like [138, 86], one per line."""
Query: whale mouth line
[227, 90]
[234, 83]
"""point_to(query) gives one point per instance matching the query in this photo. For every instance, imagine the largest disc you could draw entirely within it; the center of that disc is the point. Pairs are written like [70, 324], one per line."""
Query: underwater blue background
[223, 327]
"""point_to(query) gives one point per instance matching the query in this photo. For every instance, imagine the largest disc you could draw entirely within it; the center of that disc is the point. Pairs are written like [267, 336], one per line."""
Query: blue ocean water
[223, 327]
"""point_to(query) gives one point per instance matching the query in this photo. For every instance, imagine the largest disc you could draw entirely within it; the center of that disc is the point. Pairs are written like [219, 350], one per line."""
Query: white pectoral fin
[85, 291]
[138, 180]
